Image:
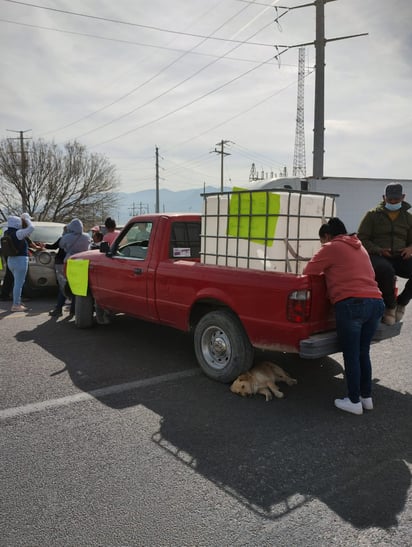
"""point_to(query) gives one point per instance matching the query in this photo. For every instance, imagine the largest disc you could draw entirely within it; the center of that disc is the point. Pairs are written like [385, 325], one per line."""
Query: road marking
[94, 394]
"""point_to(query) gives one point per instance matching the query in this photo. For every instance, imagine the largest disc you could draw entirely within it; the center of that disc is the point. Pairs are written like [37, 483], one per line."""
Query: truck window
[185, 240]
[135, 242]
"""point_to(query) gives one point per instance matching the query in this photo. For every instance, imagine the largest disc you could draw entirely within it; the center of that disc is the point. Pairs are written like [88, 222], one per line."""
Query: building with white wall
[355, 196]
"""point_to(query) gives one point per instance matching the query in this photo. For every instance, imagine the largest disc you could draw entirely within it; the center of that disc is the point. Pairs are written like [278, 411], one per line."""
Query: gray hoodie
[74, 240]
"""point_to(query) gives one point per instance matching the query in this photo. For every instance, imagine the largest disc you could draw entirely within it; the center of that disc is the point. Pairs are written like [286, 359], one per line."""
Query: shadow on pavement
[273, 457]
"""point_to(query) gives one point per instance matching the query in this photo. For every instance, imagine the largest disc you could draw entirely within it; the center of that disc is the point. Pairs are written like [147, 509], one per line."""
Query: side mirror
[104, 247]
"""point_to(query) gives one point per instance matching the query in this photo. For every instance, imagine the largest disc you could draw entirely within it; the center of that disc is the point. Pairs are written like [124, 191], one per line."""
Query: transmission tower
[299, 156]
[253, 175]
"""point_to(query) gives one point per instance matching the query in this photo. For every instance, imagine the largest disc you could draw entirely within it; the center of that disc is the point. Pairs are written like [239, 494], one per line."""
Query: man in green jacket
[386, 233]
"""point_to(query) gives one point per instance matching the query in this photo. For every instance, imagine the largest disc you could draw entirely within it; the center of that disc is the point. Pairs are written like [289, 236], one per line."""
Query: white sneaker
[347, 405]
[366, 402]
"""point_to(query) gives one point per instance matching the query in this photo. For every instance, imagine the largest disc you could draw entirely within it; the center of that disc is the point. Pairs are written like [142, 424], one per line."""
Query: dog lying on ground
[261, 379]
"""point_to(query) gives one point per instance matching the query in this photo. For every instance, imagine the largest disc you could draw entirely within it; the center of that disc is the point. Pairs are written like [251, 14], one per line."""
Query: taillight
[299, 306]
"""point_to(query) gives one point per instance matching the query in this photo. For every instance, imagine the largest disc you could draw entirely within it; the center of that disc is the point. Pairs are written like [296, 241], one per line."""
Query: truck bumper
[321, 345]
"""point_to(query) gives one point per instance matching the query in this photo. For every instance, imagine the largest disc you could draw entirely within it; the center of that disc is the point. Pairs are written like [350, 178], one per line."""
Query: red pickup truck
[153, 272]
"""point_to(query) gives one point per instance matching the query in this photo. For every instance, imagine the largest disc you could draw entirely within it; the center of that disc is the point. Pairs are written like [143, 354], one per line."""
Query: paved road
[113, 437]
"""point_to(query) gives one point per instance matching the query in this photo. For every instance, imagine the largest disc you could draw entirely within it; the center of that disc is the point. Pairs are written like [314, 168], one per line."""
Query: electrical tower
[254, 175]
[299, 156]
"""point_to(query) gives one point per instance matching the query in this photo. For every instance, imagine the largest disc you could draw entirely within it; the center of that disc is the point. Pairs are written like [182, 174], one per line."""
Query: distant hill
[136, 203]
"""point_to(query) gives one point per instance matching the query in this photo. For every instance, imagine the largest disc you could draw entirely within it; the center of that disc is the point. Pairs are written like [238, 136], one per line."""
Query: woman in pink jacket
[351, 286]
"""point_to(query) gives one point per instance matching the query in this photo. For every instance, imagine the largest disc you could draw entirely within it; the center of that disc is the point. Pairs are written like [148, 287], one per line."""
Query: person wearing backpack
[19, 228]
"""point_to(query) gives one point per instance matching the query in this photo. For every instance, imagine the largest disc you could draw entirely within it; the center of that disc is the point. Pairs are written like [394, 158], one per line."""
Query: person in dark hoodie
[358, 303]
[74, 240]
[386, 233]
[19, 228]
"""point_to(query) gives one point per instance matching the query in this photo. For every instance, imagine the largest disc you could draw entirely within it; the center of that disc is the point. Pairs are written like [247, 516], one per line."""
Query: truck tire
[83, 315]
[222, 347]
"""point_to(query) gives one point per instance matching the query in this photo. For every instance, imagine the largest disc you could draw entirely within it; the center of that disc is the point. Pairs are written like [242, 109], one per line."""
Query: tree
[55, 184]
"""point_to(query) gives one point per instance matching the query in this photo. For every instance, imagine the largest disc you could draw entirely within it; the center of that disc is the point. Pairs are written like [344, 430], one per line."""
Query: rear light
[299, 303]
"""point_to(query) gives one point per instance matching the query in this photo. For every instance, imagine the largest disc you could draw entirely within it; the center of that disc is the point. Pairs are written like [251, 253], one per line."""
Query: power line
[250, 154]
[172, 88]
[151, 122]
[177, 169]
[180, 83]
[156, 75]
[185, 52]
[128, 42]
[151, 100]
[147, 27]
[227, 120]
[189, 162]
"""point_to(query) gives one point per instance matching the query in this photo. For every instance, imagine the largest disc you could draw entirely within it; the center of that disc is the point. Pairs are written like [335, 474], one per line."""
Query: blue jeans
[18, 266]
[356, 322]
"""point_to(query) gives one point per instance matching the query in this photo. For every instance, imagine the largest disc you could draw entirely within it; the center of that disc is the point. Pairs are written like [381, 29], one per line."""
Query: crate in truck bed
[263, 229]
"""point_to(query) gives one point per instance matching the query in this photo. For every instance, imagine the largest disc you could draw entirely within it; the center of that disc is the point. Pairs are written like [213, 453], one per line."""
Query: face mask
[393, 206]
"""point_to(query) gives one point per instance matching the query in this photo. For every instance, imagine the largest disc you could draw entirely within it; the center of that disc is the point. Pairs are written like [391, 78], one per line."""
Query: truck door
[122, 279]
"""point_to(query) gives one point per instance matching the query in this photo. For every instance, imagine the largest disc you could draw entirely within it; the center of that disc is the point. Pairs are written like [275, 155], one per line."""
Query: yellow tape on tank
[77, 273]
[253, 215]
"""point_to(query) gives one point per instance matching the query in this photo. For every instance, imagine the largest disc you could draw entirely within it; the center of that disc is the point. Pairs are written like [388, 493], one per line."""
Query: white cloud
[52, 79]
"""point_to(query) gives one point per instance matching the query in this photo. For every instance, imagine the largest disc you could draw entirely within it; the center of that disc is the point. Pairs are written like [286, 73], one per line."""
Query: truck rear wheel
[222, 347]
[84, 312]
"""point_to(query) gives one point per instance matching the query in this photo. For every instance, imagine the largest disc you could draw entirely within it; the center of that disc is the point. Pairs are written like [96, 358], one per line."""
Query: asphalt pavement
[113, 437]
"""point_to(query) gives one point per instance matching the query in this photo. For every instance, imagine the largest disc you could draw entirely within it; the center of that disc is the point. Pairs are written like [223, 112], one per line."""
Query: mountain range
[144, 201]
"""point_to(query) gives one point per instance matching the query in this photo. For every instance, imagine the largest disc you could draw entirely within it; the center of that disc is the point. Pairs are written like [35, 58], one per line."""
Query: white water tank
[274, 230]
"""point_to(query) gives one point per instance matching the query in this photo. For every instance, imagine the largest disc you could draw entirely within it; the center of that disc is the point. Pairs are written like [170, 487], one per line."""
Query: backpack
[8, 247]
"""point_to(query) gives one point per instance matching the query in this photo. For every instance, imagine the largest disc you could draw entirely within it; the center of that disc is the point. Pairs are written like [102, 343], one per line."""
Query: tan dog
[261, 379]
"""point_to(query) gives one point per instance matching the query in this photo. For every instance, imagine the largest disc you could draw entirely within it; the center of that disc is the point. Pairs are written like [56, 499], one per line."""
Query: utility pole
[320, 43]
[319, 115]
[132, 210]
[23, 164]
[140, 209]
[222, 153]
[157, 208]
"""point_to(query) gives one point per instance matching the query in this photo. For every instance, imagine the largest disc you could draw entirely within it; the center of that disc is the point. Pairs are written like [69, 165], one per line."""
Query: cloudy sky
[124, 77]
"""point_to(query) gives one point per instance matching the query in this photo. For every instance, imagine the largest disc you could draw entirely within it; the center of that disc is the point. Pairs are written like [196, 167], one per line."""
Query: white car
[41, 274]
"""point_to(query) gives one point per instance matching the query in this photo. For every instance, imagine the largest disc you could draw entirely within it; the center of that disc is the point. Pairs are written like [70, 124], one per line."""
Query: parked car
[41, 274]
